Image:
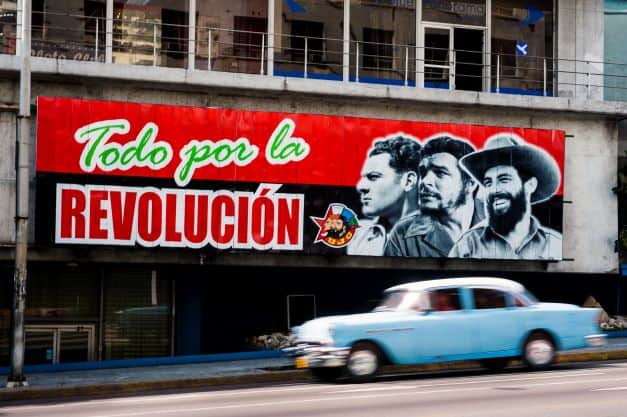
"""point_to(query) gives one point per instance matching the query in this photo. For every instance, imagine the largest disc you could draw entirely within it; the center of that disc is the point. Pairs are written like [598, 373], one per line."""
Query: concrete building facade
[88, 302]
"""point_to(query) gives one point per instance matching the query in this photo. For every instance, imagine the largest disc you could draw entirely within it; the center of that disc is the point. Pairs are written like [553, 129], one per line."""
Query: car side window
[446, 299]
[488, 298]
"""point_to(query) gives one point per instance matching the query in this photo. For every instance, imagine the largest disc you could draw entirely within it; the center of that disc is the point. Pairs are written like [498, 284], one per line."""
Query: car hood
[320, 329]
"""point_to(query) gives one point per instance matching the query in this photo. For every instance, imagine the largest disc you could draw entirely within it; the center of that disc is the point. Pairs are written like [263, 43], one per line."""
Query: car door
[444, 332]
[496, 323]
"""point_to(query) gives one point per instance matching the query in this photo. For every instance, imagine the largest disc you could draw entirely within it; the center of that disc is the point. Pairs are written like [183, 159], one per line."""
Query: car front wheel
[539, 351]
[363, 362]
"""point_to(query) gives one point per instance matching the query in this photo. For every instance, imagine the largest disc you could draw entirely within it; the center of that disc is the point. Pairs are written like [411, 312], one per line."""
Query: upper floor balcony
[448, 58]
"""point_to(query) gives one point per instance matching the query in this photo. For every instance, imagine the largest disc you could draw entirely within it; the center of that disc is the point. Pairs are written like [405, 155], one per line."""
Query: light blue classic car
[488, 319]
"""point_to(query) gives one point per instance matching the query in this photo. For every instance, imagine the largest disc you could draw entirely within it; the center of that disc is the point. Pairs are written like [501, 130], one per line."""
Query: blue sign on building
[522, 48]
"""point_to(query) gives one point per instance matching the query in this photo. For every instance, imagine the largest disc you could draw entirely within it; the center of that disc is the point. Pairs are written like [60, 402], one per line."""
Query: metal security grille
[137, 310]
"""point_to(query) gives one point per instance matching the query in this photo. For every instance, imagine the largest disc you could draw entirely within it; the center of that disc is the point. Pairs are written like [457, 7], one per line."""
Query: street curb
[32, 392]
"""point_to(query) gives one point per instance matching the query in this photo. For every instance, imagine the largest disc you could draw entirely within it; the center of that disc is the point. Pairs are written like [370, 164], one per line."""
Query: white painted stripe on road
[481, 381]
[384, 388]
[578, 382]
[157, 397]
[610, 389]
[179, 411]
[301, 387]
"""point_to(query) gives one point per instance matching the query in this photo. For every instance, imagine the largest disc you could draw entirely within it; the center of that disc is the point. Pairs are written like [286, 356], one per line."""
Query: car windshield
[391, 300]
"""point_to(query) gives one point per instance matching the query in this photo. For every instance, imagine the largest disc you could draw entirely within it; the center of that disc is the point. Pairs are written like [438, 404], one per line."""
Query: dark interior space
[238, 303]
[220, 309]
[468, 59]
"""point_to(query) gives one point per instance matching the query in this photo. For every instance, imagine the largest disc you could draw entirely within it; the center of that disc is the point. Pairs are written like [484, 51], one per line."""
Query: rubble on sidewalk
[275, 340]
[606, 321]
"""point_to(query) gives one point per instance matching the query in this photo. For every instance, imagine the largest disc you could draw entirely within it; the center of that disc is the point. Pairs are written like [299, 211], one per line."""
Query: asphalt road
[581, 390]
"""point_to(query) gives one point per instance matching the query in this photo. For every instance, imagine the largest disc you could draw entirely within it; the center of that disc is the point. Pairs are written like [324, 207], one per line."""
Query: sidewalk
[244, 371]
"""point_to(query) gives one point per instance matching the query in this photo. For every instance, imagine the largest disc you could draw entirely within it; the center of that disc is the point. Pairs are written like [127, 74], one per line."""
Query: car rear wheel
[363, 362]
[539, 351]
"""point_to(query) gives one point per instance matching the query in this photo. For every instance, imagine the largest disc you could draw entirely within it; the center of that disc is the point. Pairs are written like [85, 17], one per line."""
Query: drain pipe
[16, 376]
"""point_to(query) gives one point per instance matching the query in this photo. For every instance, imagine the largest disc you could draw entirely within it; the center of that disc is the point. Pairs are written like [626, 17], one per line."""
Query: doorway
[452, 58]
[468, 46]
[437, 58]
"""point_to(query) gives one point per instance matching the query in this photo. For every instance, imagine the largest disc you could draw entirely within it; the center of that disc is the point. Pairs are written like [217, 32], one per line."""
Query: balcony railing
[152, 43]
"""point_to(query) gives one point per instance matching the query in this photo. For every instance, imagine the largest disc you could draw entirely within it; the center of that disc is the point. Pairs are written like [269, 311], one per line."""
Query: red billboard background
[338, 144]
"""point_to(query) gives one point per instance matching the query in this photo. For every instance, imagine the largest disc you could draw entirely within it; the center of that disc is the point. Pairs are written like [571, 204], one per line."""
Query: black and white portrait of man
[388, 190]
[446, 199]
[514, 176]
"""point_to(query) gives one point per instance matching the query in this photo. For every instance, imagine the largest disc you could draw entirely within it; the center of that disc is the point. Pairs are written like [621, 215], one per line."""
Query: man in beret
[447, 203]
[514, 175]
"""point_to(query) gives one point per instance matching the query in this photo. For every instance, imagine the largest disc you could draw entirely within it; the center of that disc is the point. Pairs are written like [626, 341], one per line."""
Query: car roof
[501, 283]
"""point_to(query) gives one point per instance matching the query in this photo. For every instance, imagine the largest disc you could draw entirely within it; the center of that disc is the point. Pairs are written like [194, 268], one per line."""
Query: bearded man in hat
[514, 175]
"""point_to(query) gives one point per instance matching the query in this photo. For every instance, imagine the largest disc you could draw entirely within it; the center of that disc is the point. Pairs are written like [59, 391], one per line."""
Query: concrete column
[191, 37]
[24, 148]
[270, 40]
[580, 34]
[487, 48]
[346, 37]
[18, 28]
[419, 50]
[8, 140]
[109, 33]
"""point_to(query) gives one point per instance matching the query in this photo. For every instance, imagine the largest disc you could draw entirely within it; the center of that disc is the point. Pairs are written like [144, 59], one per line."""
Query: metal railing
[153, 43]
[67, 36]
[231, 50]
[308, 56]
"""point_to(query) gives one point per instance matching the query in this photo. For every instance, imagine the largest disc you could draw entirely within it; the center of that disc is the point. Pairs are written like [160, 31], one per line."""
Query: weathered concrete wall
[7, 176]
[9, 93]
[590, 222]
[580, 31]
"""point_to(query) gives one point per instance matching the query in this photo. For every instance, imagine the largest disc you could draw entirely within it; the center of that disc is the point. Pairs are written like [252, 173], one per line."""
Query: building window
[229, 35]
[74, 30]
[150, 33]
[378, 49]
[8, 16]
[321, 22]
[522, 41]
[313, 32]
[385, 33]
[248, 36]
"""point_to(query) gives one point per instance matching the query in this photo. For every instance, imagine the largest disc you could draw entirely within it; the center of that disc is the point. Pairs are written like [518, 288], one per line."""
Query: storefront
[157, 181]
[191, 217]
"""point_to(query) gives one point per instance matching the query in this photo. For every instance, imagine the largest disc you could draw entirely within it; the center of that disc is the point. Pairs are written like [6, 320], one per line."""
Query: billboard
[214, 179]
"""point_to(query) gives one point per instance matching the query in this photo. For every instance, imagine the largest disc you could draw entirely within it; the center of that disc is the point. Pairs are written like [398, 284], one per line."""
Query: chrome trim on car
[403, 329]
[596, 340]
[319, 355]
